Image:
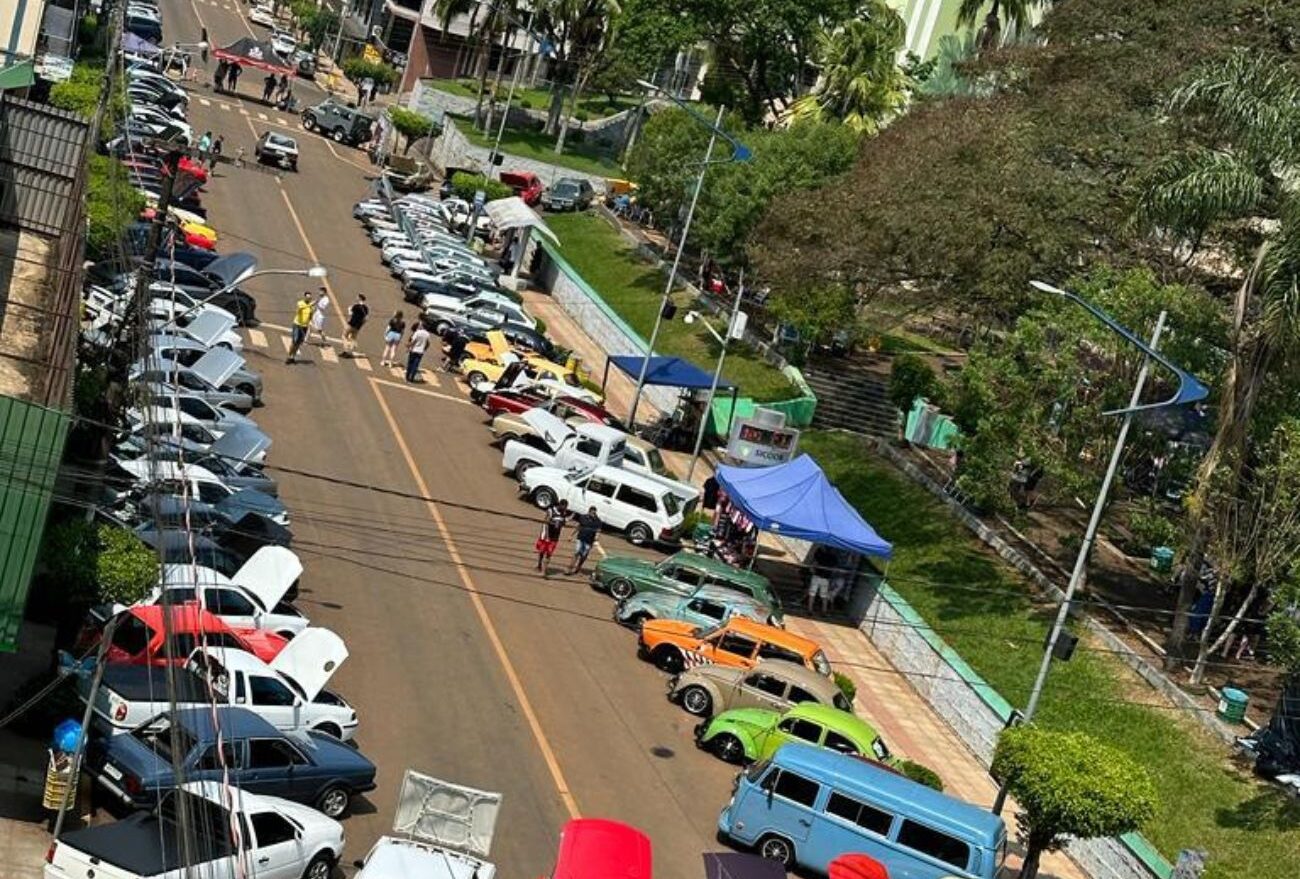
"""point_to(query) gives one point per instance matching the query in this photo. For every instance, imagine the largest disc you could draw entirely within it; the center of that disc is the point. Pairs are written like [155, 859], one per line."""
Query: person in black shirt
[588, 527]
[552, 528]
[357, 315]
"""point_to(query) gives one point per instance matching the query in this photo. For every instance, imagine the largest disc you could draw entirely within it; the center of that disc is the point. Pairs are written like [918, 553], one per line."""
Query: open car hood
[269, 573]
[311, 659]
[241, 444]
[208, 328]
[447, 815]
[217, 365]
[551, 429]
[229, 270]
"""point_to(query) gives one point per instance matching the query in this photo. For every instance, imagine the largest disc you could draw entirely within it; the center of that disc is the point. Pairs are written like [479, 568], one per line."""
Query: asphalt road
[464, 663]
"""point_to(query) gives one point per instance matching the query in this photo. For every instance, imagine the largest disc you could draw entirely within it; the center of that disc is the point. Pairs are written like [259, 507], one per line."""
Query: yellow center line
[311, 251]
[548, 754]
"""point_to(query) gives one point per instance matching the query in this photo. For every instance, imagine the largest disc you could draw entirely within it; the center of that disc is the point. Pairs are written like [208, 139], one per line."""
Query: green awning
[18, 75]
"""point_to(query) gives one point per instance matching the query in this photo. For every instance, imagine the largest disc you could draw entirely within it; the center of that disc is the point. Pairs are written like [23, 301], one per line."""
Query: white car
[283, 43]
[444, 832]
[207, 324]
[397, 250]
[644, 509]
[284, 839]
[403, 265]
[440, 308]
[262, 14]
[252, 597]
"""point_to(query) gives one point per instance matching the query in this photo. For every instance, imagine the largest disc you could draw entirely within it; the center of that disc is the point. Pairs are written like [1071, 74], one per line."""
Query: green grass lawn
[633, 289]
[594, 106]
[977, 604]
[541, 148]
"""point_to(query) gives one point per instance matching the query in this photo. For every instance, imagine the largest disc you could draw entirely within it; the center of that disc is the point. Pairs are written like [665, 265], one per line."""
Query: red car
[526, 185]
[139, 637]
[513, 400]
[596, 848]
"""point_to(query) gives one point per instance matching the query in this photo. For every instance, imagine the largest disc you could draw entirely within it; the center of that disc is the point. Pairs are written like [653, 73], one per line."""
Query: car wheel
[309, 122]
[622, 588]
[334, 802]
[337, 135]
[637, 620]
[247, 389]
[475, 378]
[544, 498]
[727, 748]
[523, 467]
[668, 657]
[696, 700]
[331, 730]
[639, 534]
[777, 848]
[319, 867]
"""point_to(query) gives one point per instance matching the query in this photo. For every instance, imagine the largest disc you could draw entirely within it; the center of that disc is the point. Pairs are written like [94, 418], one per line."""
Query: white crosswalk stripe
[205, 102]
[280, 120]
[286, 342]
[243, 112]
[362, 362]
[329, 355]
[223, 105]
[262, 116]
[397, 371]
[257, 338]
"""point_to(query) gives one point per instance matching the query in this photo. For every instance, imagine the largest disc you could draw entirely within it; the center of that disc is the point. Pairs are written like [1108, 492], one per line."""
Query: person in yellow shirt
[301, 322]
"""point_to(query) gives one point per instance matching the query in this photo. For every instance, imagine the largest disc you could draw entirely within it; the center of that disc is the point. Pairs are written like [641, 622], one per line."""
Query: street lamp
[735, 330]
[310, 272]
[1189, 391]
[514, 80]
[739, 153]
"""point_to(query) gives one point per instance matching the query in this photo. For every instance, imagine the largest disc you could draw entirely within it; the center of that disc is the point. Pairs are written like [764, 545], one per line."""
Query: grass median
[593, 106]
[632, 288]
[990, 616]
[540, 147]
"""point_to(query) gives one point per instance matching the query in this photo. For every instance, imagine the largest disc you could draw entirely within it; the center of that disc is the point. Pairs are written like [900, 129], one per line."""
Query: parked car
[707, 607]
[526, 185]
[139, 636]
[306, 767]
[743, 735]
[338, 122]
[643, 509]
[738, 643]
[569, 194]
[263, 14]
[277, 149]
[679, 575]
[283, 43]
[599, 847]
[301, 840]
[408, 174]
[255, 596]
[213, 376]
[773, 684]
[305, 64]
[508, 425]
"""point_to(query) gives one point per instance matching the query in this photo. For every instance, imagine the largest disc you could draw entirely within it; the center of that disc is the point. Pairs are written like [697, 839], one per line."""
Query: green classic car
[744, 735]
[680, 574]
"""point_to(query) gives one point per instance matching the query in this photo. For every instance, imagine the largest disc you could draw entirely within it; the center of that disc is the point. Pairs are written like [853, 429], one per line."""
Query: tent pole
[732, 415]
[604, 379]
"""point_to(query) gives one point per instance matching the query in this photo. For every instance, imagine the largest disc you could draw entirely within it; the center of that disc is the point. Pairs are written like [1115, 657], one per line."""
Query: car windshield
[281, 140]
[655, 462]
[159, 735]
[568, 190]
[705, 632]
[672, 504]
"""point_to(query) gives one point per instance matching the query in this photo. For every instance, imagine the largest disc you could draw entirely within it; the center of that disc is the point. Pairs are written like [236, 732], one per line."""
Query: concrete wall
[453, 149]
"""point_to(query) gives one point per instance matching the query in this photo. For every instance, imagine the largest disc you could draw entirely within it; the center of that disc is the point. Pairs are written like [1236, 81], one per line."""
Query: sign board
[480, 198]
[762, 440]
[738, 326]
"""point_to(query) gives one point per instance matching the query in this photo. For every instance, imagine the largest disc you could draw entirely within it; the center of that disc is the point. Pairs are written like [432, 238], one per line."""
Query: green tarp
[18, 75]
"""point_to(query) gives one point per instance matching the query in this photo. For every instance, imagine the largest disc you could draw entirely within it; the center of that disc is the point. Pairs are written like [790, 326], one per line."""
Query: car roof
[237, 660]
[795, 673]
[599, 847]
[725, 595]
[834, 718]
[856, 775]
[718, 568]
[231, 722]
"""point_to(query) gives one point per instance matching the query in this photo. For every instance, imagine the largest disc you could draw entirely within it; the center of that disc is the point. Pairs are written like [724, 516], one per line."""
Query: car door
[761, 690]
[211, 765]
[279, 853]
[598, 492]
[231, 606]
[272, 698]
[270, 765]
[730, 649]
[791, 729]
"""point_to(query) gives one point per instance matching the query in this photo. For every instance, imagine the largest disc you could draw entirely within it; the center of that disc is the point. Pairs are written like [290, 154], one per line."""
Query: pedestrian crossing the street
[329, 355]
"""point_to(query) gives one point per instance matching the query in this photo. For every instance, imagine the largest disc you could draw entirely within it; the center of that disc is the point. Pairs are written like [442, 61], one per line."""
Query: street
[464, 663]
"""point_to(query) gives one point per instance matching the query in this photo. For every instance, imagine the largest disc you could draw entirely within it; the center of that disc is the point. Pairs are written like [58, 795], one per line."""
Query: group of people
[548, 541]
[277, 89]
[226, 77]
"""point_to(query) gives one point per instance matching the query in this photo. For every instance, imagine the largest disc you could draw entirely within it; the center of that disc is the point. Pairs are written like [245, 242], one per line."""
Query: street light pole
[514, 83]
[312, 272]
[717, 374]
[672, 275]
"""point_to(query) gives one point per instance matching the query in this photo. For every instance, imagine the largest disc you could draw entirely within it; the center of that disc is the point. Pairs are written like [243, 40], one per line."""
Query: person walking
[214, 151]
[219, 77]
[415, 348]
[358, 312]
[455, 350]
[301, 322]
[235, 70]
[549, 539]
[588, 528]
[205, 147]
[392, 337]
[268, 87]
[318, 316]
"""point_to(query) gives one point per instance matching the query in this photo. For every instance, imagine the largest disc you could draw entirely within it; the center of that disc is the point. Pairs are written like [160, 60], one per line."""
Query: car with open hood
[202, 487]
[187, 352]
[743, 735]
[508, 422]
[219, 419]
[680, 574]
[772, 684]
[739, 643]
[214, 376]
[139, 636]
[230, 744]
[256, 595]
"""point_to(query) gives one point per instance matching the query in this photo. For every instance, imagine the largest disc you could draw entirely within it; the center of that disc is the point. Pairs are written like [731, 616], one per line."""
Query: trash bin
[1162, 559]
[1232, 705]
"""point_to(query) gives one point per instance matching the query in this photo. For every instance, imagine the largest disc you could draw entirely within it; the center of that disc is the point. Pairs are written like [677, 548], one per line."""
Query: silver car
[773, 684]
[188, 352]
[210, 378]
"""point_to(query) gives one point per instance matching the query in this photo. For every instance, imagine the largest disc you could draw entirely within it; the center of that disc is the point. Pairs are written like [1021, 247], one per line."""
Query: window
[196, 433]
[271, 829]
[796, 788]
[191, 381]
[180, 595]
[212, 492]
[588, 447]
[633, 456]
[837, 742]
[208, 761]
[269, 691]
[737, 645]
[799, 728]
[132, 636]
[768, 650]
[711, 609]
[933, 843]
[683, 575]
[272, 753]
[768, 684]
[672, 504]
[228, 602]
[195, 407]
[635, 497]
[866, 817]
[602, 487]
[184, 643]
[840, 701]
[798, 695]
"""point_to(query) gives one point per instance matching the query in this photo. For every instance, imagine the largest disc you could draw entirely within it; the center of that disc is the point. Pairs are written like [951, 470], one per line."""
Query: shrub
[581, 115]
[357, 69]
[68, 556]
[91, 563]
[125, 567]
[911, 377]
[410, 124]
[525, 104]
[846, 685]
[920, 774]
[111, 205]
[1150, 529]
[465, 185]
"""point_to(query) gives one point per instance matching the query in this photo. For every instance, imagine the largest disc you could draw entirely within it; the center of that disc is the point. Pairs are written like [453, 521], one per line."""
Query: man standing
[233, 75]
[301, 321]
[415, 348]
[357, 315]
[549, 539]
[268, 87]
[588, 527]
[214, 152]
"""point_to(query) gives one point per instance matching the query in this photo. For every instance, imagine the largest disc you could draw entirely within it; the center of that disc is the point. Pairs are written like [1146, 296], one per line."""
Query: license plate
[112, 772]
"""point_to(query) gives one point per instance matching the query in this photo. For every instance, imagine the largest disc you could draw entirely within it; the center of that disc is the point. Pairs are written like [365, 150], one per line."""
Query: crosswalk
[328, 355]
[227, 107]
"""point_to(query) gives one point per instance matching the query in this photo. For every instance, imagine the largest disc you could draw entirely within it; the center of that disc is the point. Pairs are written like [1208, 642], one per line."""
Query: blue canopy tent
[797, 500]
[673, 372]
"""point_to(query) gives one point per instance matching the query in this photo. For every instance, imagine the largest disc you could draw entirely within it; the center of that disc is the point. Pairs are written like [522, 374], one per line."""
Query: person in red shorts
[549, 539]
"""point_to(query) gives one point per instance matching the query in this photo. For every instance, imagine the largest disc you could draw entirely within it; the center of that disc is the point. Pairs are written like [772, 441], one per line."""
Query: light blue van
[808, 805]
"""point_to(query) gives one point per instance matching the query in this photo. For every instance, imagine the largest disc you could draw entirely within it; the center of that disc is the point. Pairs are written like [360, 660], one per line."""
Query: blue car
[707, 606]
[307, 767]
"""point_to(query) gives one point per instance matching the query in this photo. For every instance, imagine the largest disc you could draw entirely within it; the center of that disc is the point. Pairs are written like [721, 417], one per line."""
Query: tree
[1246, 109]
[112, 204]
[910, 376]
[98, 563]
[815, 313]
[80, 92]
[646, 35]
[410, 125]
[584, 29]
[861, 83]
[124, 567]
[1070, 784]
[1016, 13]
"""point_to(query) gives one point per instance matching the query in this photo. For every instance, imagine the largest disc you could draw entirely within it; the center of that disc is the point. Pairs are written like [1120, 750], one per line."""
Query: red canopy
[249, 52]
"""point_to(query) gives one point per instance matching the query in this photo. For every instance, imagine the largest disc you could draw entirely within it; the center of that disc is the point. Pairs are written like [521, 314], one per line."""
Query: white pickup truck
[277, 840]
[553, 442]
[444, 832]
[289, 691]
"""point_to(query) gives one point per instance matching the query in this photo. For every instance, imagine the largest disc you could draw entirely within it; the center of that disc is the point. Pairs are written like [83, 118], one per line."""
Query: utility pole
[717, 376]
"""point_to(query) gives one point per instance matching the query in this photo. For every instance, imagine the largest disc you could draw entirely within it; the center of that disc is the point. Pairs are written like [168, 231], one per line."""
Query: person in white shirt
[415, 348]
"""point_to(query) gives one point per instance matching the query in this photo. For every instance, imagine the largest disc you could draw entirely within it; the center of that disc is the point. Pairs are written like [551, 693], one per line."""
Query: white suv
[642, 508]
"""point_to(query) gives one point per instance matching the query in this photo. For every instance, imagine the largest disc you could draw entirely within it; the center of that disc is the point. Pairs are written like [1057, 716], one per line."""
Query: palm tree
[1014, 14]
[861, 83]
[1247, 107]
[583, 30]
